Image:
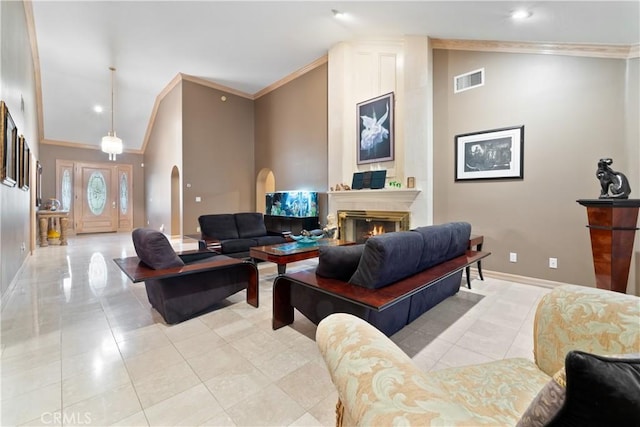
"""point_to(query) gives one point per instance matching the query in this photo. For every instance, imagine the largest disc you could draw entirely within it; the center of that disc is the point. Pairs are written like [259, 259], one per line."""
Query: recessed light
[337, 14]
[521, 14]
[98, 109]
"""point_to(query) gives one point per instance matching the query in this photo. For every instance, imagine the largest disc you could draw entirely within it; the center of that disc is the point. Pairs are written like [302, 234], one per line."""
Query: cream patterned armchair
[378, 384]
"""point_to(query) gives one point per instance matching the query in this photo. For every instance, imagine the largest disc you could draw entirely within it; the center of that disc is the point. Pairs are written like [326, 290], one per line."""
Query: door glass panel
[66, 190]
[124, 193]
[97, 193]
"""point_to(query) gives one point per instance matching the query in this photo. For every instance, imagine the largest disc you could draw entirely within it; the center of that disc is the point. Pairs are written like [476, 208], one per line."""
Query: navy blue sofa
[234, 234]
[383, 260]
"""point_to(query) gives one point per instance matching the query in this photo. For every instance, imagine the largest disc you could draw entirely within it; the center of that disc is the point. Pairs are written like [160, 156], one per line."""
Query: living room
[576, 107]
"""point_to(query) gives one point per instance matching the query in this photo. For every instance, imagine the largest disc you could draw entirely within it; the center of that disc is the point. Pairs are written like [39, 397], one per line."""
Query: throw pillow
[154, 249]
[601, 391]
[546, 404]
[590, 390]
[338, 262]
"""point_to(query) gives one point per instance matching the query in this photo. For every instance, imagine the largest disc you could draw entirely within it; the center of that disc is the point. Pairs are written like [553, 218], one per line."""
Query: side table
[476, 241]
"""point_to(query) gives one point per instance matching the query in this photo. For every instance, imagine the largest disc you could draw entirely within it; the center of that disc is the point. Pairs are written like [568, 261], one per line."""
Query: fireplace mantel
[382, 199]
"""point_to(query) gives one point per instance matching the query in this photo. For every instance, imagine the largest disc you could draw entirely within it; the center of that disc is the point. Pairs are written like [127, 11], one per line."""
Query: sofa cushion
[387, 258]
[268, 240]
[338, 262]
[218, 226]
[154, 249]
[250, 224]
[443, 242]
[236, 245]
[601, 391]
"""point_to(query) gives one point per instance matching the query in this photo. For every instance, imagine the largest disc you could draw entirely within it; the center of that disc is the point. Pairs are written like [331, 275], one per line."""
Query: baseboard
[518, 279]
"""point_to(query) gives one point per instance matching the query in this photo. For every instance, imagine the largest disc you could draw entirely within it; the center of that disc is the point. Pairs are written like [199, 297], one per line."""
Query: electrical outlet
[513, 257]
[197, 229]
[553, 262]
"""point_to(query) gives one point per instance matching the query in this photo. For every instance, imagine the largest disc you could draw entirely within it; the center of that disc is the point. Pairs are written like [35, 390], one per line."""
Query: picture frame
[38, 183]
[9, 133]
[490, 154]
[375, 135]
[23, 163]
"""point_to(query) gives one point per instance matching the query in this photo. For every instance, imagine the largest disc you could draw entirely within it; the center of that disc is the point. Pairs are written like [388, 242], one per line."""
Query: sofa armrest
[209, 244]
[587, 319]
[359, 358]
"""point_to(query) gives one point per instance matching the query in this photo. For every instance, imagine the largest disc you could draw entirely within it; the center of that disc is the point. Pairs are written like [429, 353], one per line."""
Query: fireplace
[358, 226]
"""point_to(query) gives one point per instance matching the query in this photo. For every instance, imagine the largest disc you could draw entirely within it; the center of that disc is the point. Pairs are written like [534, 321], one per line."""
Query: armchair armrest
[368, 370]
[587, 319]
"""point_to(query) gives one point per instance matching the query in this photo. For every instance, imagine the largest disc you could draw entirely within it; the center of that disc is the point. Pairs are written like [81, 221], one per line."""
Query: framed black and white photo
[23, 163]
[8, 148]
[375, 129]
[490, 154]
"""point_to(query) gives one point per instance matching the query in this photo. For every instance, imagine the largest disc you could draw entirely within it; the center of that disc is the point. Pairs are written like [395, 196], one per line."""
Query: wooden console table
[474, 242]
[51, 222]
[612, 227]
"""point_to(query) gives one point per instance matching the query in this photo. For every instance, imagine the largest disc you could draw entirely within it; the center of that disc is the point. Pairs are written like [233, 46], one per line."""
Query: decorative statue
[611, 181]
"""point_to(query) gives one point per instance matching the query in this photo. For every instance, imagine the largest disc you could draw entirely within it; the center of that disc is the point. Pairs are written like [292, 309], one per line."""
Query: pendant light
[111, 144]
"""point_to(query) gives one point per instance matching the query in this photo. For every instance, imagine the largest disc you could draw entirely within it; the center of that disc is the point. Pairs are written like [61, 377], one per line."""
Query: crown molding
[83, 146]
[33, 41]
[156, 104]
[566, 49]
[315, 64]
[213, 85]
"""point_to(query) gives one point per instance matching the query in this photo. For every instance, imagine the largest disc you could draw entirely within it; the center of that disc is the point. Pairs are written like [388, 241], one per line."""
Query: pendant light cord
[112, 74]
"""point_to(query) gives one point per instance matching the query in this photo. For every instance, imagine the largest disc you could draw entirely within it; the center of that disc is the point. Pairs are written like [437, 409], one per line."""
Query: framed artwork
[375, 129]
[38, 183]
[23, 163]
[490, 154]
[9, 145]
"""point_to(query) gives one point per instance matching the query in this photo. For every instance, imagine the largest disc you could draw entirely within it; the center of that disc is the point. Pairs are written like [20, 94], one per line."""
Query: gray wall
[18, 90]
[218, 153]
[291, 132]
[574, 113]
[50, 153]
[162, 153]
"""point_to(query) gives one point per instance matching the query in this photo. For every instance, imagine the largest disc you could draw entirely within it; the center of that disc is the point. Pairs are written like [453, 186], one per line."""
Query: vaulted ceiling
[247, 46]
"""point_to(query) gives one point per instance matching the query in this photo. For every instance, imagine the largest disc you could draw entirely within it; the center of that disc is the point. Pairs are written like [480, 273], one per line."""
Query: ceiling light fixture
[98, 109]
[111, 144]
[521, 14]
[337, 14]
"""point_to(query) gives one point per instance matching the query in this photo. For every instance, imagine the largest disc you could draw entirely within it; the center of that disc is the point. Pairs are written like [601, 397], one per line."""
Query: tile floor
[80, 345]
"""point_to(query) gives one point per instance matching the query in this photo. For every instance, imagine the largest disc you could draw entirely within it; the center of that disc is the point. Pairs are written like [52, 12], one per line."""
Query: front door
[96, 198]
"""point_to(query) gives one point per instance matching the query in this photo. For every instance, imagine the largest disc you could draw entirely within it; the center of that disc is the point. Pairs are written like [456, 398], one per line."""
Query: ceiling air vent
[468, 80]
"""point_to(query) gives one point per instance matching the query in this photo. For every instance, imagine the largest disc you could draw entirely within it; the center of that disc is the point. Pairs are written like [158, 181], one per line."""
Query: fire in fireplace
[358, 226]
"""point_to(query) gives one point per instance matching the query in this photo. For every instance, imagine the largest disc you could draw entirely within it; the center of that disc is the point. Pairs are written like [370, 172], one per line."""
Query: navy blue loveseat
[384, 260]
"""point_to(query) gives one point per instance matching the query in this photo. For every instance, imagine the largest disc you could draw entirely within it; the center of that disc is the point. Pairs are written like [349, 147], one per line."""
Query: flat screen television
[292, 203]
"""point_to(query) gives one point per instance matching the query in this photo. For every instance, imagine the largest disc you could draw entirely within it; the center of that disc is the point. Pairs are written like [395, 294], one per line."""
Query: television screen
[292, 203]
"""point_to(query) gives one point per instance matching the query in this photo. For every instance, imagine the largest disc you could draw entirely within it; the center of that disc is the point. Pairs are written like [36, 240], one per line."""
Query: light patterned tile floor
[82, 346]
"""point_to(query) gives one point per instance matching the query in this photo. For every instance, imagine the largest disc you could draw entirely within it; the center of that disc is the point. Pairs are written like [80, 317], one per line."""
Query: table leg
[467, 270]
[282, 268]
[282, 308]
[44, 229]
[64, 224]
[479, 264]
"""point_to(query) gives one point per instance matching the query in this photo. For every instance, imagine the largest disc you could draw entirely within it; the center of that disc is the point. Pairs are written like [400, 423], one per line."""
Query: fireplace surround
[358, 225]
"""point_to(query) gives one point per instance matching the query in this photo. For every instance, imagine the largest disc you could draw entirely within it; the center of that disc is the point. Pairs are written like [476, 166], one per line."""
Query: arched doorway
[265, 183]
[176, 211]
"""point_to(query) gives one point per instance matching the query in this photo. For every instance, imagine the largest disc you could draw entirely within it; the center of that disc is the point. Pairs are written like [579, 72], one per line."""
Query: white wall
[363, 70]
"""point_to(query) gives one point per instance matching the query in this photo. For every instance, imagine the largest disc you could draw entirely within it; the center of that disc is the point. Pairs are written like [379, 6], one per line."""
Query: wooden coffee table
[285, 253]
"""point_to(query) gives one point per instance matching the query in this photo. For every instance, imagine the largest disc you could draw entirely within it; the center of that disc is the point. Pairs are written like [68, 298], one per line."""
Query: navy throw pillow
[338, 262]
[154, 249]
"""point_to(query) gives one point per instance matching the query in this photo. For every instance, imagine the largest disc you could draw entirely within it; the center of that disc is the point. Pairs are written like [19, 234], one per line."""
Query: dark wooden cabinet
[278, 224]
